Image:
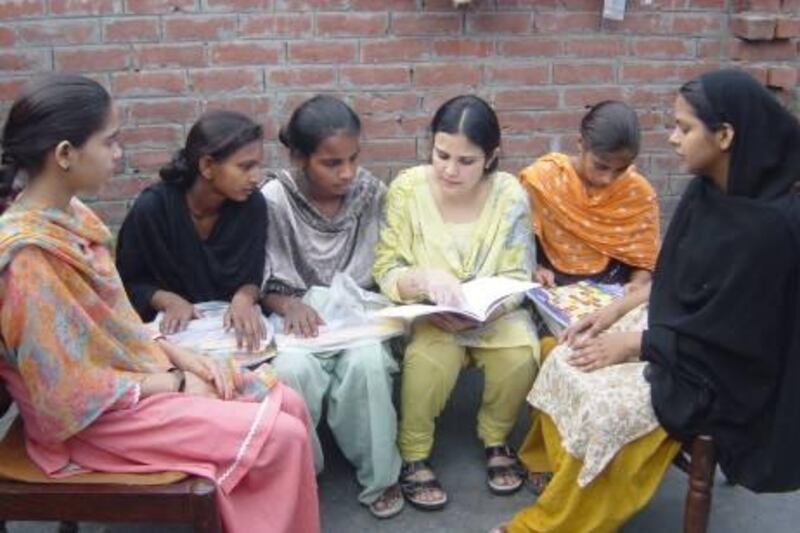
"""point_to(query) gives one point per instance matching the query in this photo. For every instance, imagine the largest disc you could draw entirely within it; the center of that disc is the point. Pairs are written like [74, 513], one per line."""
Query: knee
[367, 363]
[294, 369]
[291, 433]
[294, 404]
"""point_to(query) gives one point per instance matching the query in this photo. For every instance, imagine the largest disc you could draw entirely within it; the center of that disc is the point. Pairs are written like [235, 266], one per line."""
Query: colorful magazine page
[562, 306]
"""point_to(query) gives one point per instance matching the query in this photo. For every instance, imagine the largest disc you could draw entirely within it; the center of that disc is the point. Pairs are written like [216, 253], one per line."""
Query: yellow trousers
[431, 366]
[605, 504]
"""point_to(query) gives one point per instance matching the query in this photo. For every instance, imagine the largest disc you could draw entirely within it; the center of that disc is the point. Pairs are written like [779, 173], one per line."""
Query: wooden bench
[27, 494]
[698, 460]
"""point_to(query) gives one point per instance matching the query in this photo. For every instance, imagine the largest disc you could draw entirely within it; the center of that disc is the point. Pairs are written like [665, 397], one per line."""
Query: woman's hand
[442, 288]
[177, 314]
[544, 276]
[591, 325]
[217, 375]
[609, 349]
[452, 323]
[245, 319]
[300, 319]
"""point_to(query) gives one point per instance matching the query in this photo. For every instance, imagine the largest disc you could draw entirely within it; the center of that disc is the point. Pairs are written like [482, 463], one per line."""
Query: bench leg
[697, 510]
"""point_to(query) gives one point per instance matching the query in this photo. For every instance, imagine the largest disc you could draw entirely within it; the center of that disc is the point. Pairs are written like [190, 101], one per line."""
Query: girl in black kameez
[199, 235]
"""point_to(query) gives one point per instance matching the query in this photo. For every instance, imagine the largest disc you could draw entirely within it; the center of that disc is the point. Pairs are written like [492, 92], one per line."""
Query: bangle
[181, 378]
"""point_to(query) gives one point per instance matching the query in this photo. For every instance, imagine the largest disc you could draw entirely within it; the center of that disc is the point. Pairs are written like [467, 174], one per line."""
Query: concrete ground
[458, 459]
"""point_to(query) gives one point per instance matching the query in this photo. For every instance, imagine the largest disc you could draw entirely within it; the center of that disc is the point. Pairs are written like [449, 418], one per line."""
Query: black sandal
[413, 488]
[495, 471]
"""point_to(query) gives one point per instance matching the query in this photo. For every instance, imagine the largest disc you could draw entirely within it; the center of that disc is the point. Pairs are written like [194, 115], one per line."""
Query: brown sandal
[412, 489]
[392, 500]
[514, 468]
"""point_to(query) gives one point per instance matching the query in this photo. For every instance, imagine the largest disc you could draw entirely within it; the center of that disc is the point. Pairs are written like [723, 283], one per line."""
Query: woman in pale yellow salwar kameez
[445, 223]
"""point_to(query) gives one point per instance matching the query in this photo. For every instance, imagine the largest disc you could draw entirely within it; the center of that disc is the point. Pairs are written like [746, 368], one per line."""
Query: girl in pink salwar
[95, 391]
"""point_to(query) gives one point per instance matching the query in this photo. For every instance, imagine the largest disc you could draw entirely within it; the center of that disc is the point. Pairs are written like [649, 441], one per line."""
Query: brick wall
[538, 61]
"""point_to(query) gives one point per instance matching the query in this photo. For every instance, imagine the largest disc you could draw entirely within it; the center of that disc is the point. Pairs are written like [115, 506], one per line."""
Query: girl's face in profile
[93, 164]
[237, 176]
[458, 164]
[332, 167]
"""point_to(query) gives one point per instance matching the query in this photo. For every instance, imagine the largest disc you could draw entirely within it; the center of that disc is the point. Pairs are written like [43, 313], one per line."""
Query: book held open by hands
[562, 306]
[482, 297]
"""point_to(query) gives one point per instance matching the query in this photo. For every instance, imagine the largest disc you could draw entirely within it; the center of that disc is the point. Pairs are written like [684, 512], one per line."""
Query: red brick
[529, 147]
[426, 23]
[226, 80]
[240, 53]
[200, 28]
[531, 47]
[92, 59]
[24, 60]
[706, 4]
[591, 95]
[525, 122]
[517, 74]
[665, 48]
[654, 72]
[112, 213]
[392, 5]
[383, 127]
[275, 25]
[170, 55]
[152, 83]
[10, 87]
[640, 23]
[148, 7]
[322, 52]
[760, 73]
[696, 24]
[123, 187]
[595, 47]
[463, 48]
[306, 5]
[449, 74]
[581, 73]
[21, 9]
[58, 32]
[564, 22]
[254, 106]
[384, 103]
[127, 29]
[154, 111]
[360, 75]
[711, 48]
[787, 28]
[790, 6]
[151, 136]
[646, 96]
[756, 5]
[783, 50]
[301, 77]
[782, 77]
[753, 27]
[81, 7]
[352, 24]
[500, 23]
[388, 50]
[7, 36]
[389, 150]
[515, 5]
[525, 99]
[239, 5]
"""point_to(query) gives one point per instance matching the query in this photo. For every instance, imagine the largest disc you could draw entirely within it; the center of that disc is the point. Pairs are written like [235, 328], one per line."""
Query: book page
[483, 295]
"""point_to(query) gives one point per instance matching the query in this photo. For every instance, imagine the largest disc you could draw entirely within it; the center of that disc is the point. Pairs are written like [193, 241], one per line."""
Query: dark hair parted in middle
[611, 126]
[217, 134]
[472, 117]
[315, 120]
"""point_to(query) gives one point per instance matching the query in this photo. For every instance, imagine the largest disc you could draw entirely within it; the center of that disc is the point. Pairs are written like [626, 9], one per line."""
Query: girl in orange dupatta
[594, 215]
[95, 391]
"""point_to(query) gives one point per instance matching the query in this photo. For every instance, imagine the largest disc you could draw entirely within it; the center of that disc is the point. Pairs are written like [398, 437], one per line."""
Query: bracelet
[181, 378]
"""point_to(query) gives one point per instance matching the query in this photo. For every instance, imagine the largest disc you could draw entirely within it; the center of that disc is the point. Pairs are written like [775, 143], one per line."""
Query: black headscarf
[724, 339]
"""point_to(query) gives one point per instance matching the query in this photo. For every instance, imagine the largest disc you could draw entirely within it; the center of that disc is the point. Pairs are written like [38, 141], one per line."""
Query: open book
[564, 305]
[207, 335]
[481, 297]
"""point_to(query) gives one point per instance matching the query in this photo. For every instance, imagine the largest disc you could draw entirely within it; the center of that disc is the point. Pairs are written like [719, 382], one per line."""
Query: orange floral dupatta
[580, 231]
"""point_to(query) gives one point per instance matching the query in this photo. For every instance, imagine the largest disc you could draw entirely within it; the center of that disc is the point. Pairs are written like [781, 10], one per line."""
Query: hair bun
[177, 170]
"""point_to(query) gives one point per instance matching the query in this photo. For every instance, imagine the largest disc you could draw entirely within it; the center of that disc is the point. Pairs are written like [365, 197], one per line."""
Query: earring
[65, 167]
